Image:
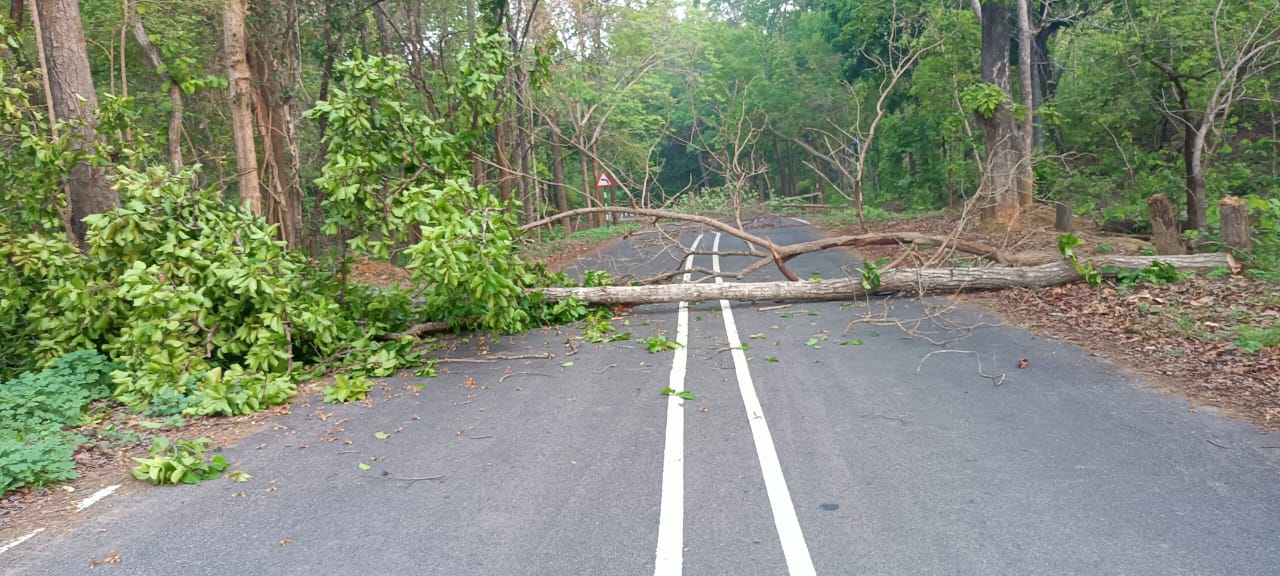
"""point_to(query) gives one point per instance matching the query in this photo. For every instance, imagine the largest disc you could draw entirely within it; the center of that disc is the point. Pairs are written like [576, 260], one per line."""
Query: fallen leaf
[1023, 363]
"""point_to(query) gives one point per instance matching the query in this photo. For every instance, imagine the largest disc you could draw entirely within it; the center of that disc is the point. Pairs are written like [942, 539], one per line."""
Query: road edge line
[19, 540]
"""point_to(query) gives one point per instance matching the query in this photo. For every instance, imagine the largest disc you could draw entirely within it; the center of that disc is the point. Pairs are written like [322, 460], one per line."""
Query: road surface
[809, 449]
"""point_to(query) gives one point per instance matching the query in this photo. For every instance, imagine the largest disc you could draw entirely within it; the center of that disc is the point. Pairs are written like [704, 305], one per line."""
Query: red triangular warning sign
[604, 181]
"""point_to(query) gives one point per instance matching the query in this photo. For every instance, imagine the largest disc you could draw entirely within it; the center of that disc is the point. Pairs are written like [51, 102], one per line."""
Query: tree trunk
[1197, 188]
[1235, 223]
[274, 119]
[899, 280]
[241, 96]
[175, 93]
[1164, 229]
[999, 186]
[66, 62]
[557, 175]
[1026, 180]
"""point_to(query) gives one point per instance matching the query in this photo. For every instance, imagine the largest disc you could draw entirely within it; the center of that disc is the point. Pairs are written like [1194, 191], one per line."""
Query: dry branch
[908, 280]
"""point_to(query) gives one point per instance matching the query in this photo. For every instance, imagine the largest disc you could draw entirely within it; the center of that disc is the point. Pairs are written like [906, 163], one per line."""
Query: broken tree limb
[669, 215]
[918, 280]
[417, 330]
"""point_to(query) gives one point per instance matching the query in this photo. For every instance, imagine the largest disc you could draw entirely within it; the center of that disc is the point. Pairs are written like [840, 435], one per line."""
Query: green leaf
[687, 395]
[381, 435]
[363, 466]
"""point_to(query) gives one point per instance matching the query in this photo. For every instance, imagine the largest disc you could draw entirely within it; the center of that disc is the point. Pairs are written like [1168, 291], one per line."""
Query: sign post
[605, 182]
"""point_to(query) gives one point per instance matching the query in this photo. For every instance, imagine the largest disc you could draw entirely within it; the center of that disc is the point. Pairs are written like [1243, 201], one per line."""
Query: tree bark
[274, 119]
[66, 61]
[901, 280]
[557, 175]
[999, 187]
[1164, 229]
[1026, 179]
[1235, 223]
[240, 79]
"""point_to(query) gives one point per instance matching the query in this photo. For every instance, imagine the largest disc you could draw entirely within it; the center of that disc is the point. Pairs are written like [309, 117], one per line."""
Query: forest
[185, 185]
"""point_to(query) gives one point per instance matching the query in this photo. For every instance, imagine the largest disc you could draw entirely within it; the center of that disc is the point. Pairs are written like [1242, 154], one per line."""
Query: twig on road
[412, 479]
[510, 374]
[995, 379]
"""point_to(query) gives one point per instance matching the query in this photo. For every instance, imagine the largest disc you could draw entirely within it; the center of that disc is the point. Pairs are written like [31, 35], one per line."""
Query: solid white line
[103, 493]
[670, 553]
[15, 543]
[794, 548]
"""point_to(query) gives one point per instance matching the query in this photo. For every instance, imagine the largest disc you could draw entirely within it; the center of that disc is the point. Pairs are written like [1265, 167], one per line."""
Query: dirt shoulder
[1209, 340]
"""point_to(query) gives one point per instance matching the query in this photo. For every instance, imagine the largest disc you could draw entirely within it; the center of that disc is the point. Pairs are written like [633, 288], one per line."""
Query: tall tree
[65, 59]
[994, 114]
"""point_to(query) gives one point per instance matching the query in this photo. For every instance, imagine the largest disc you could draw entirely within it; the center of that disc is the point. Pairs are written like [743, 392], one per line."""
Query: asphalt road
[823, 447]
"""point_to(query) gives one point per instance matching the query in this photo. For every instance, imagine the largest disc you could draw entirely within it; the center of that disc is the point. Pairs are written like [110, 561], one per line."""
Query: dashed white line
[99, 495]
[794, 547]
[15, 543]
[670, 553]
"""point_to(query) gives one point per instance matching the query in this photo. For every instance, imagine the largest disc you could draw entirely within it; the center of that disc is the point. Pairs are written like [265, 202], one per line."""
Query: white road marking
[15, 543]
[670, 553]
[794, 547]
[99, 495]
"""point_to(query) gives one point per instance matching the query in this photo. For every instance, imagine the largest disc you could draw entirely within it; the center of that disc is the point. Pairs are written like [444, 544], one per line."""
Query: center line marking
[670, 553]
[794, 548]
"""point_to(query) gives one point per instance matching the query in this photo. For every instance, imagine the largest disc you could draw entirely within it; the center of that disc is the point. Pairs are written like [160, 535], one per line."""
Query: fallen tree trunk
[914, 280]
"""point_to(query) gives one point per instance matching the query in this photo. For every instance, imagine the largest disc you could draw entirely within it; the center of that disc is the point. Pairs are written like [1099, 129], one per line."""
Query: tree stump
[1235, 223]
[1062, 218]
[1164, 229]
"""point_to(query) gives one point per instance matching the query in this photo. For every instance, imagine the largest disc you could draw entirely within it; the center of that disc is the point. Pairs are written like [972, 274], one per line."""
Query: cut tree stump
[1164, 229]
[1235, 223]
[911, 280]
[1062, 218]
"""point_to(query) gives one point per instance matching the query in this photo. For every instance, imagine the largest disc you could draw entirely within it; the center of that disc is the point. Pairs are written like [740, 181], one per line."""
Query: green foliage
[35, 410]
[682, 394]
[347, 388]
[1066, 246]
[983, 99]
[180, 462]
[659, 343]
[870, 278]
[392, 167]
[1252, 339]
[1264, 259]
[1156, 273]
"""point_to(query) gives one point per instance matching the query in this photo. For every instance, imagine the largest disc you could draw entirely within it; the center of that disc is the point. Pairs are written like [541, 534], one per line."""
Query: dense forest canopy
[775, 99]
